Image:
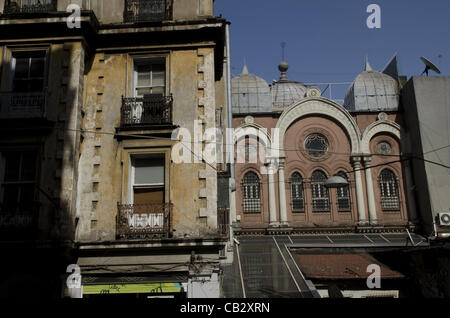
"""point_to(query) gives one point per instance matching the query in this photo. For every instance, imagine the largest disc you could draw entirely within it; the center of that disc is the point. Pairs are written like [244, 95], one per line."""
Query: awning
[341, 266]
[153, 288]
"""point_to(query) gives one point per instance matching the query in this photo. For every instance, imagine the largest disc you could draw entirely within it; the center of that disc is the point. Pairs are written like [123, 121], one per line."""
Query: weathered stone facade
[85, 151]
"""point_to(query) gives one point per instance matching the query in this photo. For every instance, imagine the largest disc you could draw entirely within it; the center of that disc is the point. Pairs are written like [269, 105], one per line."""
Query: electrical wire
[202, 160]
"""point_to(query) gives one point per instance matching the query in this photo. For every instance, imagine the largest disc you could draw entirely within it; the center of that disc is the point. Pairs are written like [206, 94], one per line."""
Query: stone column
[356, 162]
[282, 193]
[272, 199]
[370, 192]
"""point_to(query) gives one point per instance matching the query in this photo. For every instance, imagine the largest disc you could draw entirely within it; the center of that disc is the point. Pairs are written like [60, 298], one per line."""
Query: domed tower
[286, 92]
[373, 91]
[250, 94]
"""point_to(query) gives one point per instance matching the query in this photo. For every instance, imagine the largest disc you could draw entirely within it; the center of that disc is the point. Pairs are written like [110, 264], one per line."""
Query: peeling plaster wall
[103, 180]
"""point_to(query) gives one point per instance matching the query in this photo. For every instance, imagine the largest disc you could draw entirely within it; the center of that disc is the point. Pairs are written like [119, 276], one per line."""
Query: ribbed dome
[286, 92]
[373, 91]
[250, 94]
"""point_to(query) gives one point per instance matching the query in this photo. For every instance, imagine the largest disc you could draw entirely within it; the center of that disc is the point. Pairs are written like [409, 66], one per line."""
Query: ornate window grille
[320, 197]
[148, 110]
[390, 200]
[343, 196]
[316, 145]
[147, 10]
[29, 6]
[297, 193]
[251, 190]
[144, 221]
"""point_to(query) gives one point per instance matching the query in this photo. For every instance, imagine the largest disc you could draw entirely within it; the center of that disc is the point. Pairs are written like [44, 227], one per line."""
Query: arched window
[343, 195]
[251, 192]
[297, 193]
[390, 199]
[320, 199]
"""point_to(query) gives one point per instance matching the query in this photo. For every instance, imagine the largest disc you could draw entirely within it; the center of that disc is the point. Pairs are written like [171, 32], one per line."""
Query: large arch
[318, 106]
[247, 129]
[380, 126]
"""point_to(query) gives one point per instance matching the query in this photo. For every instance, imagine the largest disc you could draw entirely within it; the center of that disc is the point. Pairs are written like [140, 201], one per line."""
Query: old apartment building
[89, 108]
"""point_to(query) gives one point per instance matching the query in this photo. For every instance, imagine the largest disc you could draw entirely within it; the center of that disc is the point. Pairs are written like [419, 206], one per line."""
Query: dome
[286, 92]
[373, 91]
[250, 94]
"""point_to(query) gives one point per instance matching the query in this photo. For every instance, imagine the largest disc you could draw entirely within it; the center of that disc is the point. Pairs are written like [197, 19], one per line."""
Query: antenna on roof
[429, 66]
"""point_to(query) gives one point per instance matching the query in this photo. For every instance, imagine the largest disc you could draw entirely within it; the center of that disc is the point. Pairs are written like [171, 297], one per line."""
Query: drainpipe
[230, 126]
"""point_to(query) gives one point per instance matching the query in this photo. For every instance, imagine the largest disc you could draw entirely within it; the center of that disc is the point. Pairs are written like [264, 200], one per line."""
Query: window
[148, 192]
[384, 148]
[297, 193]
[320, 199]
[343, 195]
[28, 71]
[251, 190]
[251, 150]
[316, 145]
[149, 179]
[149, 77]
[18, 179]
[389, 190]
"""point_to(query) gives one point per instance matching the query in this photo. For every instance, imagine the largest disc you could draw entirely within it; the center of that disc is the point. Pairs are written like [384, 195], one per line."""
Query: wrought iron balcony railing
[29, 6]
[23, 105]
[148, 110]
[144, 221]
[147, 10]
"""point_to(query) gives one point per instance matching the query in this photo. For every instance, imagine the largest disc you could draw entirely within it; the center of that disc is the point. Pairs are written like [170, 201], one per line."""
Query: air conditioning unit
[444, 219]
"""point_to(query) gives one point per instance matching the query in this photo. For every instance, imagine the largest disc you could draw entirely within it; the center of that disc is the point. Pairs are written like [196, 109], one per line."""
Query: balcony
[147, 10]
[22, 105]
[29, 6]
[146, 111]
[144, 221]
[15, 105]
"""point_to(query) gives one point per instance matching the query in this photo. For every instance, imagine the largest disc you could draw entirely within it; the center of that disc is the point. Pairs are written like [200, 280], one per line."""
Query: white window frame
[132, 184]
[150, 61]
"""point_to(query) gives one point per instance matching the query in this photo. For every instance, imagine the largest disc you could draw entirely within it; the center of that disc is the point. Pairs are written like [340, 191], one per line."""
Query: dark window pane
[37, 67]
[321, 202]
[26, 197]
[297, 194]
[316, 145]
[251, 193]
[390, 199]
[21, 85]
[28, 166]
[22, 68]
[12, 166]
[10, 198]
[36, 85]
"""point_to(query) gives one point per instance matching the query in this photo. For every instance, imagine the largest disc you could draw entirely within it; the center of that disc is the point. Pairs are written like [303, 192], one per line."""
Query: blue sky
[327, 40]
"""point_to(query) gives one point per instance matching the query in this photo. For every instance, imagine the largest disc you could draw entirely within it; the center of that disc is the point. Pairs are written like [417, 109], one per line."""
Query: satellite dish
[429, 66]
